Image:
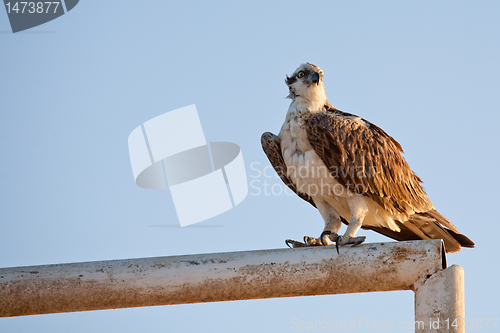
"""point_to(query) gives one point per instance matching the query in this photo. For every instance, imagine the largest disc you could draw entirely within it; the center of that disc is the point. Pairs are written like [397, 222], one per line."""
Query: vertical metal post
[439, 302]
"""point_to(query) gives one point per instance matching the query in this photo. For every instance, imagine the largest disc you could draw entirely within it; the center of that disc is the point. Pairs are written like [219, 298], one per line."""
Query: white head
[306, 85]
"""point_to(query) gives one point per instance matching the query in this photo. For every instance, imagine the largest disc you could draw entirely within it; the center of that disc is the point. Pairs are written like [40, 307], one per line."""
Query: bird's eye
[300, 74]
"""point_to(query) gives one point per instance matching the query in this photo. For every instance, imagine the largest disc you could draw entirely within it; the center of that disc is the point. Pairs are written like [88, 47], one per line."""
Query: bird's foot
[343, 240]
[322, 240]
[293, 243]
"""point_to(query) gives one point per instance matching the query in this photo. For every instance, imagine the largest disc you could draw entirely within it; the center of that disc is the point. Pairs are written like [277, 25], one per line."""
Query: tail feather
[428, 225]
[462, 239]
[454, 235]
[442, 220]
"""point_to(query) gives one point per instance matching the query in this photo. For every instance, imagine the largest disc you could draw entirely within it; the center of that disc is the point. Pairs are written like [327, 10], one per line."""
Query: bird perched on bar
[351, 170]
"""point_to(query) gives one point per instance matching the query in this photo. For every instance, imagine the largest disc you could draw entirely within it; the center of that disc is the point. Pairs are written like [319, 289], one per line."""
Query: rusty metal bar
[216, 277]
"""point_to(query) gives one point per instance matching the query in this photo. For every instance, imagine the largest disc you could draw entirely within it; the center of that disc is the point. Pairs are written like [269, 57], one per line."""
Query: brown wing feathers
[364, 158]
[272, 148]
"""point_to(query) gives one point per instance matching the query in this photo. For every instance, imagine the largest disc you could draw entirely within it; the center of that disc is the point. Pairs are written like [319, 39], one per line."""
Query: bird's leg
[358, 213]
[330, 232]
[332, 226]
[326, 236]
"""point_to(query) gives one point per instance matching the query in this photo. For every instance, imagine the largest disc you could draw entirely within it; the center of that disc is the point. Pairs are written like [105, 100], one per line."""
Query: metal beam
[217, 277]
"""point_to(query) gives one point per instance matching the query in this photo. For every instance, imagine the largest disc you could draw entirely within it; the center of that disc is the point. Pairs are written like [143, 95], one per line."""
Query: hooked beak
[315, 77]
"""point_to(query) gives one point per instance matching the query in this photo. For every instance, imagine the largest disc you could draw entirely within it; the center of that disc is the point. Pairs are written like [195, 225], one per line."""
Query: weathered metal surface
[439, 302]
[216, 277]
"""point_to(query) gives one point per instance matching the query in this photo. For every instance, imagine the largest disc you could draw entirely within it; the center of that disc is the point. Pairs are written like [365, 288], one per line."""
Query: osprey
[351, 171]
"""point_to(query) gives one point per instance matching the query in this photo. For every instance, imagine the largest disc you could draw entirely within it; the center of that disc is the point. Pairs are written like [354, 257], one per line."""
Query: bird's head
[306, 84]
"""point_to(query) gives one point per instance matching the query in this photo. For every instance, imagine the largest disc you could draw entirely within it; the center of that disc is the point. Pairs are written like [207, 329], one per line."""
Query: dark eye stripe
[290, 80]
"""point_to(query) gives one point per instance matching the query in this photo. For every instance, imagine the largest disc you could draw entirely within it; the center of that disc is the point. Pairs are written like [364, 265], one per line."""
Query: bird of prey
[351, 170]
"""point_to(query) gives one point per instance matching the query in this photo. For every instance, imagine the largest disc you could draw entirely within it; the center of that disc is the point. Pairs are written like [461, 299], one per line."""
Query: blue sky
[73, 89]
